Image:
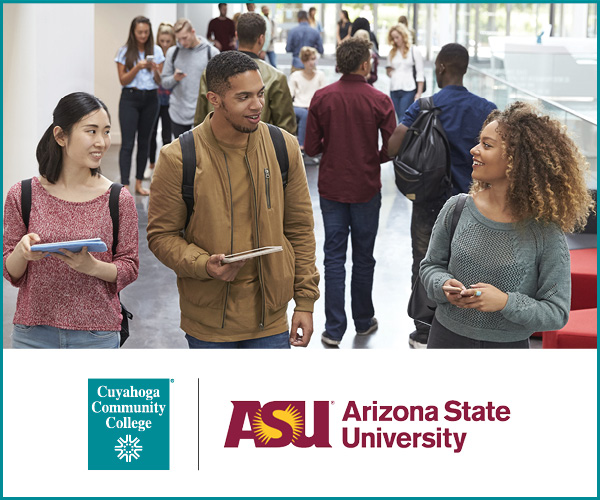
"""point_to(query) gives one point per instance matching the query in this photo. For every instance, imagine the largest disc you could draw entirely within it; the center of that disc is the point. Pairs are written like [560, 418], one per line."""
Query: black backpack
[113, 205]
[188, 155]
[422, 166]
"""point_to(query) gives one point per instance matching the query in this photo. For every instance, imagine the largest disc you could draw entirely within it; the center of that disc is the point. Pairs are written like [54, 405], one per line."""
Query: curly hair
[351, 53]
[546, 171]
[406, 40]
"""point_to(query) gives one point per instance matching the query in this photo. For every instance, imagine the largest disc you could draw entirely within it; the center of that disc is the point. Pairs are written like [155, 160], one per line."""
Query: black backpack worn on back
[188, 155]
[422, 166]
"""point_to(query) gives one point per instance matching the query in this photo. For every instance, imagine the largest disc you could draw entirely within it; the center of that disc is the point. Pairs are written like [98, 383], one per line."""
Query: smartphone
[451, 289]
[150, 59]
[178, 71]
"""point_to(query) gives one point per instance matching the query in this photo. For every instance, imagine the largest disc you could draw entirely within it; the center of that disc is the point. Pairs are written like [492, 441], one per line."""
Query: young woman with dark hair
[509, 265]
[70, 300]
[343, 27]
[139, 64]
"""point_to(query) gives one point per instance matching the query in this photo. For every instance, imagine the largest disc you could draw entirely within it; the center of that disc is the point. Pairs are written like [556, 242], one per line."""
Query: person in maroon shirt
[344, 121]
[221, 30]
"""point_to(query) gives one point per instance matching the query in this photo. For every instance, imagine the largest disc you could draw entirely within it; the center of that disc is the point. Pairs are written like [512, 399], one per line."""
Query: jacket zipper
[259, 264]
[268, 186]
[231, 240]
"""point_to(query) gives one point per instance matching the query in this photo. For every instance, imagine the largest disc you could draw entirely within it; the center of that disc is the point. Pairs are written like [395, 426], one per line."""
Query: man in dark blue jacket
[462, 117]
[302, 36]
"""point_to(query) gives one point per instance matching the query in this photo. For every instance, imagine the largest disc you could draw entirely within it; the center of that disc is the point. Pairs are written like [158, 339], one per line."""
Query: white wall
[48, 53]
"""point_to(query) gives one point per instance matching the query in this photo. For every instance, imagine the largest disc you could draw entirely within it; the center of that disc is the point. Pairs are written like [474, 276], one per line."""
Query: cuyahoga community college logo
[128, 424]
[278, 424]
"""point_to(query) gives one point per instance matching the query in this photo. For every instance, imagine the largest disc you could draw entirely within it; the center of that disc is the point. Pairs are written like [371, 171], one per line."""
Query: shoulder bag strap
[26, 201]
[113, 206]
[188, 155]
[458, 208]
[280, 151]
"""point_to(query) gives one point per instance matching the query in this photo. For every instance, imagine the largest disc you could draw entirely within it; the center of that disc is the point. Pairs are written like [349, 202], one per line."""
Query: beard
[239, 128]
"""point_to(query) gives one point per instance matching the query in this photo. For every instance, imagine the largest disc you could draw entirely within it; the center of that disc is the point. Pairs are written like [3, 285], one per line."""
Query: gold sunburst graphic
[265, 432]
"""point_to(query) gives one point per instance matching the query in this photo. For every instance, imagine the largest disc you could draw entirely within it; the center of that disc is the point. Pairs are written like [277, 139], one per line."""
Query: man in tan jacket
[239, 204]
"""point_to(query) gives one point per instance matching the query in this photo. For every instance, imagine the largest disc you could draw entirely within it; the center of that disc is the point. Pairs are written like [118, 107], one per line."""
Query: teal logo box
[128, 424]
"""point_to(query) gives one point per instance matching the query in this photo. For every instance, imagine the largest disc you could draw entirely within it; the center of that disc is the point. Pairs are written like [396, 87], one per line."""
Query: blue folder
[93, 245]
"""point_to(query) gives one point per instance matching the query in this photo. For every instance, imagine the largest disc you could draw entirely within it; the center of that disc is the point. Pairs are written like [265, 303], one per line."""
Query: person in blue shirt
[139, 63]
[462, 115]
[302, 36]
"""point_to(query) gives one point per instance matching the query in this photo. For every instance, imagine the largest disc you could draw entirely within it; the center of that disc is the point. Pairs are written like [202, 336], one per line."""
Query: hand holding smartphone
[451, 289]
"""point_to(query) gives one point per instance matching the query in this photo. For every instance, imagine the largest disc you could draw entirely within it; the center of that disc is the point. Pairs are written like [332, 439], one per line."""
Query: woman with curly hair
[508, 265]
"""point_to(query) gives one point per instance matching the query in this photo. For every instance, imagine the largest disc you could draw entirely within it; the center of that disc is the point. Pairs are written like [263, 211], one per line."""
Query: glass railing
[581, 127]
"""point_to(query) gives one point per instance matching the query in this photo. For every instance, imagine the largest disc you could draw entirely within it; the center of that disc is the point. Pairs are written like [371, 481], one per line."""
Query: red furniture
[580, 332]
[583, 278]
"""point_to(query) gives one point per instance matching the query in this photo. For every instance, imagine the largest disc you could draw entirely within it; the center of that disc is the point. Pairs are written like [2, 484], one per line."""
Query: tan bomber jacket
[279, 220]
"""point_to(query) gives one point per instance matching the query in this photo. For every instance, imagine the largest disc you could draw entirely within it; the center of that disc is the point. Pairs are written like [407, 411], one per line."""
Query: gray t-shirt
[184, 94]
[529, 261]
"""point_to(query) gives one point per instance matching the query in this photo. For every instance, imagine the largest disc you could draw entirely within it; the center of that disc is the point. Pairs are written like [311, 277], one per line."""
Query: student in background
[303, 85]
[139, 64]
[165, 37]
[343, 27]
[70, 301]
[509, 258]
[405, 88]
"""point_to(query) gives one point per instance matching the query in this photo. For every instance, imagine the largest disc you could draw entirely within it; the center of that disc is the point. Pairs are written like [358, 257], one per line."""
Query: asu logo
[278, 424]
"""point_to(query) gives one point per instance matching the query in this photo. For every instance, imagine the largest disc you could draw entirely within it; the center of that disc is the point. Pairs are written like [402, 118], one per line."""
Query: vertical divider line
[198, 428]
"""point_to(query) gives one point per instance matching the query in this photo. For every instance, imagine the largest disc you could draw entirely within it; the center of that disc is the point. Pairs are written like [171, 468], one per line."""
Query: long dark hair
[340, 22]
[132, 54]
[69, 110]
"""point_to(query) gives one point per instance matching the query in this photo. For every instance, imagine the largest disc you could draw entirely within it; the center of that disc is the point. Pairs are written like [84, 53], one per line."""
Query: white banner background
[547, 448]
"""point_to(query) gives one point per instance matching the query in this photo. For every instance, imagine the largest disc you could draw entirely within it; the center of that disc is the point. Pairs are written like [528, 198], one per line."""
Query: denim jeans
[178, 129]
[163, 116]
[137, 112]
[50, 337]
[402, 100]
[421, 224]
[361, 221]
[272, 56]
[279, 341]
[442, 338]
[301, 117]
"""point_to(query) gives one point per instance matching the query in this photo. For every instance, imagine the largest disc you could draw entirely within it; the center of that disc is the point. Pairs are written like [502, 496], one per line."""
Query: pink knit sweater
[50, 292]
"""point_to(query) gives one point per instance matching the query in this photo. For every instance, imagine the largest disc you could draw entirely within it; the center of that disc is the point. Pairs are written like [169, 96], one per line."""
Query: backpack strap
[426, 103]
[175, 52]
[113, 206]
[281, 152]
[188, 155]
[458, 208]
[26, 201]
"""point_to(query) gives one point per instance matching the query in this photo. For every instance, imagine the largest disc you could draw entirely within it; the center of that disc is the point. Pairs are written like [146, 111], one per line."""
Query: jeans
[163, 116]
[442, 338]
[137, 113]
[301, 117]
[50, 337]
[279, 341]
[179, 129]
[361, 221]
[272, 56]
[402, 99]
[421, 224]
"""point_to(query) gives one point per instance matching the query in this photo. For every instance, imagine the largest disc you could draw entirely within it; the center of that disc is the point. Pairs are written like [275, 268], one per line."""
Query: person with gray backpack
[461, 115]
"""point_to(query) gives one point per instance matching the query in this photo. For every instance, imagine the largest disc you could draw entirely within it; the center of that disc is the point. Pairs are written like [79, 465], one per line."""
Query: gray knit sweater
[184, 94]
[530, 261]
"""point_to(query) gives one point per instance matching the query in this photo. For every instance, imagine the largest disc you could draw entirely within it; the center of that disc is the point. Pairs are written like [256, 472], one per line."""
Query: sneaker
[418, 340]
[372, 327]
[327, 339]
